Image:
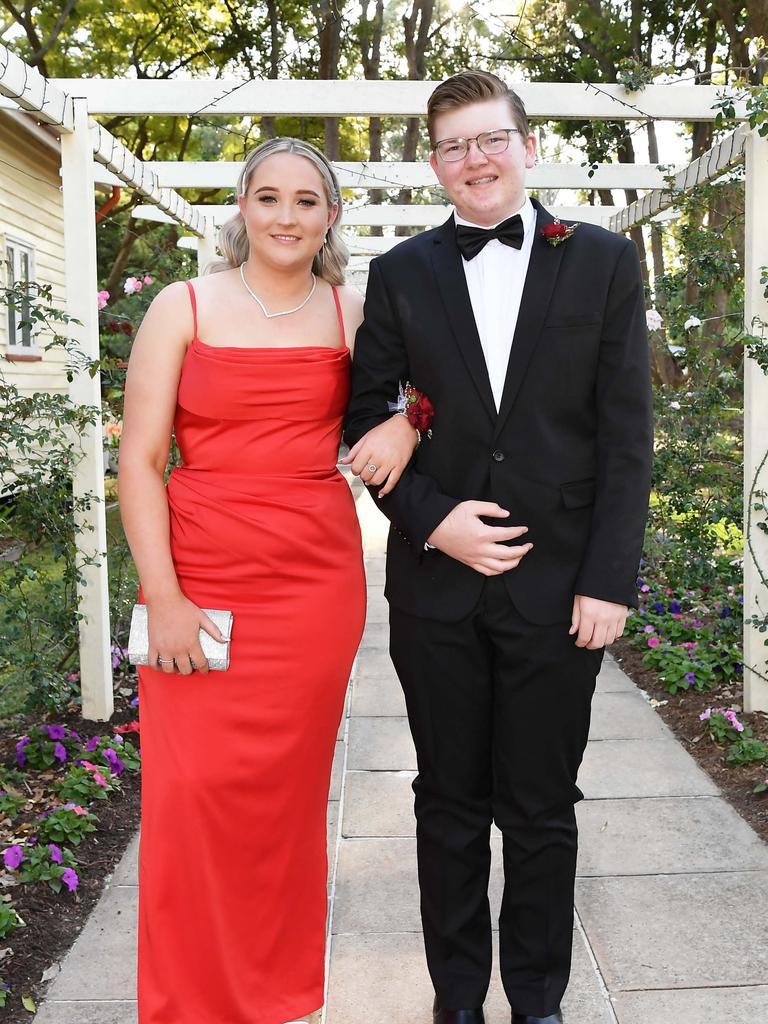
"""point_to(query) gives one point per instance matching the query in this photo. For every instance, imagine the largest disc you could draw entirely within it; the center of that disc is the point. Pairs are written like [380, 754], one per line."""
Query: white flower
[692, 321]
[653, 319]
[132, 284]
[674, 405]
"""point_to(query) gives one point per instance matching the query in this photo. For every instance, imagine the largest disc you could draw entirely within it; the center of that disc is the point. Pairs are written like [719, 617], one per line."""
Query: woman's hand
[381, 455]
[174, 642]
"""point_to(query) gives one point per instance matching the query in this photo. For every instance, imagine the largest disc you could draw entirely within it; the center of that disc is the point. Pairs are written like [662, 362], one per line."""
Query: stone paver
[694, 1006]
[678, 931]
[671, 893]
[666, 835]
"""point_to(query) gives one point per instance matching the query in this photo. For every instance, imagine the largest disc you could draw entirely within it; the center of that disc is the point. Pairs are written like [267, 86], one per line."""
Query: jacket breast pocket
[572, 321]
[578, 493]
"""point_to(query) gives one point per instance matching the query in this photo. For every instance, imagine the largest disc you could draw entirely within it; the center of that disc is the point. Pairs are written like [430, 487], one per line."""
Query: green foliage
[66, 825]
[746, 751]
[9, 918]
[10, 804]
[39, 866]
[39, 449]
[79, 785]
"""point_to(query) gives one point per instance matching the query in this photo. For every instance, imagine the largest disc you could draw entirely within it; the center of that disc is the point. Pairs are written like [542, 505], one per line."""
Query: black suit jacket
[569, 452]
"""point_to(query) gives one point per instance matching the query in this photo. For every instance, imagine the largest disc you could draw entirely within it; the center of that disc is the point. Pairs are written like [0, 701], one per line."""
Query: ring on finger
[371, 468]
[165, 661]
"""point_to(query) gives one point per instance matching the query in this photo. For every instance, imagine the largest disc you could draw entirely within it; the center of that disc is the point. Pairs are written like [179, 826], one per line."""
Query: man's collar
[527, 212]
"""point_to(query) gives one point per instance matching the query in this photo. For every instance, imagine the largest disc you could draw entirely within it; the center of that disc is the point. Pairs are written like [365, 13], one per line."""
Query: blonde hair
[331, 260]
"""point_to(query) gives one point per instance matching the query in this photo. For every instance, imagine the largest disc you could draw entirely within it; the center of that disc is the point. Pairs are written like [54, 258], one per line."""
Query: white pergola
[91, 155]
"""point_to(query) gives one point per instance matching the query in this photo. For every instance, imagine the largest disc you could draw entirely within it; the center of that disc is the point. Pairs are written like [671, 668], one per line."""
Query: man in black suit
[516, 534]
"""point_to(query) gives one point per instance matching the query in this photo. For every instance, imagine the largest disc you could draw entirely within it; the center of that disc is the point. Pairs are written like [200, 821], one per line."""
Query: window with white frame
[20, 266]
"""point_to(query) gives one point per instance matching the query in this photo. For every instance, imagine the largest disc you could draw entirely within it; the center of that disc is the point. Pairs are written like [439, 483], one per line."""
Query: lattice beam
[356, 98]
[707, 167]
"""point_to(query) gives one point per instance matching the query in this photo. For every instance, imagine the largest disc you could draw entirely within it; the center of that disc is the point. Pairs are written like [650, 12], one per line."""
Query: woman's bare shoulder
[351, 302]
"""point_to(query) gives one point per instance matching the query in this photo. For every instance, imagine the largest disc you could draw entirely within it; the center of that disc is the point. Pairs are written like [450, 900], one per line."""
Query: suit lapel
[452, 284]
[539, 284]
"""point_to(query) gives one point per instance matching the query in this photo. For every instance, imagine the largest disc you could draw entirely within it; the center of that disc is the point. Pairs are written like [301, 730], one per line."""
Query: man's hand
[597, 623]
[463, 536]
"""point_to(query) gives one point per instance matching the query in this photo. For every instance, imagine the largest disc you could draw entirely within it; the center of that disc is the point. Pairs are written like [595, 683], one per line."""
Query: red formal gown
[236, 764]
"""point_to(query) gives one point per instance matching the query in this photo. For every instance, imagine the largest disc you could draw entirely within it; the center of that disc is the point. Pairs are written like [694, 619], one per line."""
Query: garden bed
[30, 956]
[681, 713]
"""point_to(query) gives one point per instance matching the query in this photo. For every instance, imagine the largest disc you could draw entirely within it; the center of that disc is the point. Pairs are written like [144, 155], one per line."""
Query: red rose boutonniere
[416, 407]
[555, 233]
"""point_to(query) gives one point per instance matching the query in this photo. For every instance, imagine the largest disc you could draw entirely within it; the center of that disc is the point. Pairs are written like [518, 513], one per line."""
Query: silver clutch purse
[216, 653]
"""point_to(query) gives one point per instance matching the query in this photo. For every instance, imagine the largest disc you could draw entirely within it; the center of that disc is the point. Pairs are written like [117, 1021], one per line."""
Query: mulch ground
[54, 921]
[681, 713]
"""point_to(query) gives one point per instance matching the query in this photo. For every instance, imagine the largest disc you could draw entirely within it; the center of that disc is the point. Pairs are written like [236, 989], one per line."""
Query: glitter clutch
[217, 654]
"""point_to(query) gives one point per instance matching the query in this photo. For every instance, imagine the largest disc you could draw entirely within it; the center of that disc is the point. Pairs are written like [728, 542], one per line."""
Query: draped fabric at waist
[259, 530]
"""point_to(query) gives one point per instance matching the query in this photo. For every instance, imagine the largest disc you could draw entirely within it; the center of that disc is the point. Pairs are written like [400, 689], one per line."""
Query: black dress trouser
[499, 711]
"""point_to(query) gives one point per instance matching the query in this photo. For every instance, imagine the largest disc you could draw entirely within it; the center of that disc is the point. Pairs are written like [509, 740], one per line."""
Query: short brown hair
[473, 87]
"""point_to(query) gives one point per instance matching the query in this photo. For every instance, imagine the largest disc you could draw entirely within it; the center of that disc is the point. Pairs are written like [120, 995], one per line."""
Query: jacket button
[498, 455]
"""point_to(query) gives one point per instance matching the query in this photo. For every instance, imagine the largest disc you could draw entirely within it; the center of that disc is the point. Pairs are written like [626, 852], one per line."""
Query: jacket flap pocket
[578, 493]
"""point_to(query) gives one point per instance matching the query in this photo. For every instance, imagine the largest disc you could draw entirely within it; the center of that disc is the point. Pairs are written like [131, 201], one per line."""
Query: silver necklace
[284, 312]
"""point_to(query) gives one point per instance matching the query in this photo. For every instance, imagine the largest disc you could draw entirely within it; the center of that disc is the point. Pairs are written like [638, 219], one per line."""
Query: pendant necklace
[284, 312]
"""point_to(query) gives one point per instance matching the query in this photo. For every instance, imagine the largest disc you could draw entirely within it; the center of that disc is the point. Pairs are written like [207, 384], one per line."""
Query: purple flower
[658, 607]
[55, 853]
[690, 678]
[13, 856]
[74, 735]
[674, 607]
[60, 751]
[725, 612]
[134, 702]
[56, 732]
[92, 743]
[21, 757]
[114, 761]
[118, 655]
[70, 879]
[645, 588]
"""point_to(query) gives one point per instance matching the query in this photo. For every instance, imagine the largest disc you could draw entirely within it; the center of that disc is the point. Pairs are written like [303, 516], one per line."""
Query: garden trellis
[91, 154]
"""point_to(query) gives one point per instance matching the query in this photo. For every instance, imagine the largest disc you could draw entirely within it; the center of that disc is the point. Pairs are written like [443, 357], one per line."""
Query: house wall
[32, 212]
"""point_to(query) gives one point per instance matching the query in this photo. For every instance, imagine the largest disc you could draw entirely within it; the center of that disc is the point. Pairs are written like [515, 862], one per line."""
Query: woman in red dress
[249, 368]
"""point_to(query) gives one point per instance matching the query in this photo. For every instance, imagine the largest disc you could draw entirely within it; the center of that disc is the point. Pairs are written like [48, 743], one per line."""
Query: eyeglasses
[489, 143]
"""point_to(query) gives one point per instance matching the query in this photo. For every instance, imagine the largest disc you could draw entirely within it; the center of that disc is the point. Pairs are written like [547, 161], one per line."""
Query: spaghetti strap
[341, 318]
[193, 300]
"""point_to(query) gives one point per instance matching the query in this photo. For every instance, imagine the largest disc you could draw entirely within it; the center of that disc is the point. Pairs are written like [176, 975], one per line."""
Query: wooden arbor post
[755, 426]
[88, 476]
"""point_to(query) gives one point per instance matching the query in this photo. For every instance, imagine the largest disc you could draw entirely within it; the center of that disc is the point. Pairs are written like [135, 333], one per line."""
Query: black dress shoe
[522, 1018]
[440, 1016]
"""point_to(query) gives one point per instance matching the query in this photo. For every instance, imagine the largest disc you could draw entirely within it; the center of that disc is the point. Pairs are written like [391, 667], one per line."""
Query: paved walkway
[671, 895]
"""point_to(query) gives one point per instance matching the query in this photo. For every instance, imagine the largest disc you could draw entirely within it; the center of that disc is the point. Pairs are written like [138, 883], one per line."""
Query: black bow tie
[471, 240]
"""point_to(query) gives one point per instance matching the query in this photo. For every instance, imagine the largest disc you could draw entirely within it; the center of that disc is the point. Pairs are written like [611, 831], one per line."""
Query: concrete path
[671, 894]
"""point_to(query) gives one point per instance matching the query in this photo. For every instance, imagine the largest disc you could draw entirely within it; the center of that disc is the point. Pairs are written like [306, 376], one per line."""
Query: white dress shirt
[495, 279]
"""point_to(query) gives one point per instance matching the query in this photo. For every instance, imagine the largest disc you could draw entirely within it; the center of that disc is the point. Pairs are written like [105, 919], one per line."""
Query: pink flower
[653, 641]
[76, 808]
[99, 779]
[132, 284]
[705, 714]
[148, 280]
[649, 629]
[102, 297]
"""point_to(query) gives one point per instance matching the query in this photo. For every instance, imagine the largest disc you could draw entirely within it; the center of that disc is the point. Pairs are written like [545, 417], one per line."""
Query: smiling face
[485, 189]
[286, 210]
